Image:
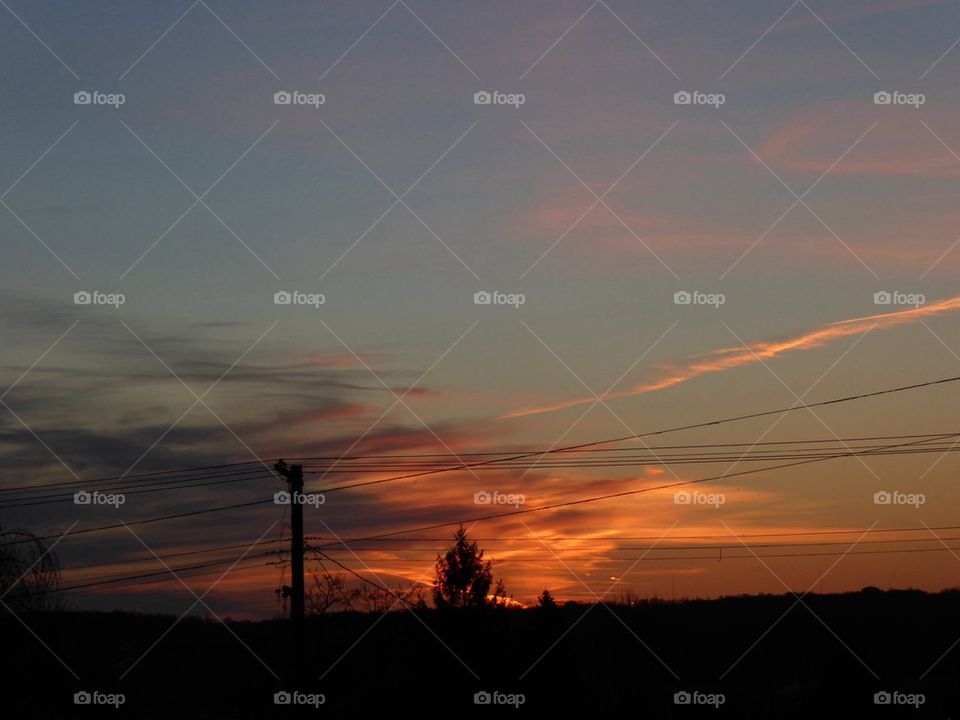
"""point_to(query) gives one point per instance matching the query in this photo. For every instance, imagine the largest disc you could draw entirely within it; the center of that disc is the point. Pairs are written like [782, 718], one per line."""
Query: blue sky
[598, 199]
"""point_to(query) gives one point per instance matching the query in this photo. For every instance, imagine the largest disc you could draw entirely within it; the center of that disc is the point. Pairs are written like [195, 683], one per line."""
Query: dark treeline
[601, 664]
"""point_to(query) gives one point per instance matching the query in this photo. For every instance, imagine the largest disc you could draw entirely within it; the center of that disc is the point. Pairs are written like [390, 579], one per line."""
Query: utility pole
[294, 476]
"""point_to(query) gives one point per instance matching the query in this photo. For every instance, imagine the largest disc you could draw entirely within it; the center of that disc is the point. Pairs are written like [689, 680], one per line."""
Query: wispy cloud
[899, 145]
[732, 357]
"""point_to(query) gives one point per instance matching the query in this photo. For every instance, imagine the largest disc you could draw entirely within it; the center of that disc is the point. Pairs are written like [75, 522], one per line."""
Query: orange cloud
[737, 356]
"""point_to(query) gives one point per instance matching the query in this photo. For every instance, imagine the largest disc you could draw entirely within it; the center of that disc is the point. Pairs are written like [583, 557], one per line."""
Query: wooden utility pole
[294, 476]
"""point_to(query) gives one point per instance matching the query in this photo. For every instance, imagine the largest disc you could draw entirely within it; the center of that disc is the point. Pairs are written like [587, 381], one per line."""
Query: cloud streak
[733, 357]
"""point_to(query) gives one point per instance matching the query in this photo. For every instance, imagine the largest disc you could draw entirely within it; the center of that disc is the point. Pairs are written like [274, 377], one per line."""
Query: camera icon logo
[282, 698]
[682, 698]
[882, 98]
[482, 698]
[482, 298]
[82, 498]
[281, 497]
[282, 97]
[882, 298]
[882, 698]
[82, 698]
[682, 497]
[82, 98]
[882, 498]
[482, 98]
[682, 98]
[82, 298]
[482, 497]
[682, 297]
[282, 297]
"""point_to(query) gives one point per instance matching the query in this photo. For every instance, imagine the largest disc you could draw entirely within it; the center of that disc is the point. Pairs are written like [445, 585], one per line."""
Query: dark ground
[799, 668]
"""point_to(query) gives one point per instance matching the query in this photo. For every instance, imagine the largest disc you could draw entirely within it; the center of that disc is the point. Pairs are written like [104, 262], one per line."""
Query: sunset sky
[797, 199]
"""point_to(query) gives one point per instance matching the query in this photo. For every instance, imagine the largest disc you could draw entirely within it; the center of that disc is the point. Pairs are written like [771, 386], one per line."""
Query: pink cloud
[812, 141]
[869, 9]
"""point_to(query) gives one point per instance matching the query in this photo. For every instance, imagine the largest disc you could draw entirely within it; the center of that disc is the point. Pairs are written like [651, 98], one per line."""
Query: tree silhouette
[329, 592]
[546, 601]
[332, 592]
[500, 598]
[462, 579]
[29, 572]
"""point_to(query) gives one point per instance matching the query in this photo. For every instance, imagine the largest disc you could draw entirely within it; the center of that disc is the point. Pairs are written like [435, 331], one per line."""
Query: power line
[253, 503]
[562, 538]
[580, 446]
[47, 499]
[668, 548]
[737, 418]
[159, 576]
[178, 570]
[166, 556]
[182, 476]
[823, 554]
[624, 493]
[112, 478]
[116, 526]
[421, 458]
[569, 448]
[356, 574]
[529, 542]
[648, 460]
[764, 456]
